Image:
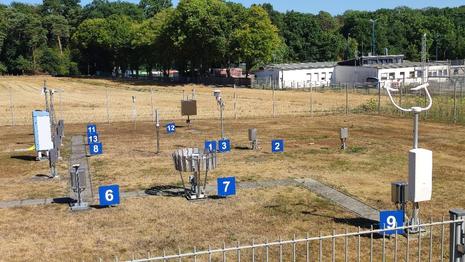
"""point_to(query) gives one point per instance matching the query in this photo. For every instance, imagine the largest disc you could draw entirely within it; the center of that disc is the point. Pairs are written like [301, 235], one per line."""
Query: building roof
[404, 64]
[297, 66]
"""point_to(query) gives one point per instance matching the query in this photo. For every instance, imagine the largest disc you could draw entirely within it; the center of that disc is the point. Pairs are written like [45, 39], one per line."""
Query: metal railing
[370, 245]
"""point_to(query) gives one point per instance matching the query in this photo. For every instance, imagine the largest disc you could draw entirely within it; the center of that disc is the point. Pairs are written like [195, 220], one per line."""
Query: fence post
[455, 102]
[273, 99]
[379, 97]
[107, 104]
[134, 111]
[151, 104]
[457, 236]
[311, 99]
[12, 108]
[235, 102]
[347, 99]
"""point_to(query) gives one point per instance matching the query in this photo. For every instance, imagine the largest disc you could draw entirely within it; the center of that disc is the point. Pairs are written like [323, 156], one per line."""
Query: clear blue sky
[314, 6]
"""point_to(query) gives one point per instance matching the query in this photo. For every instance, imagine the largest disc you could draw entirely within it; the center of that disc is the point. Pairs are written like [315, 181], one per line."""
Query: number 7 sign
[226, 186]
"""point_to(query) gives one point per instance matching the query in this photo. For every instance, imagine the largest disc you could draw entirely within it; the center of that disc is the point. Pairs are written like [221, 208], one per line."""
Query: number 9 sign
[391, 219]
[108, 195]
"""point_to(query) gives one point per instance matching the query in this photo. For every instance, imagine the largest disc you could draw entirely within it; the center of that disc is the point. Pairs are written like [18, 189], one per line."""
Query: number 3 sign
[108, 195]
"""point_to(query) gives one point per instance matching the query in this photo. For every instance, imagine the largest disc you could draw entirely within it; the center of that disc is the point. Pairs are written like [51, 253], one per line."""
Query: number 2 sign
[277, 145]
[390, 219]
[108, 195]
[226, 186]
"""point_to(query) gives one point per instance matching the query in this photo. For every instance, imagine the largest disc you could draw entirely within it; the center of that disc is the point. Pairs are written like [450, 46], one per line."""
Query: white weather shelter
[298, 75]
[42, 132]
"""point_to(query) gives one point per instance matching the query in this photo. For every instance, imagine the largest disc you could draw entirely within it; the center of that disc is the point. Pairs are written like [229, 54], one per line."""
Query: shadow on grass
[25, 158]
[166, 190]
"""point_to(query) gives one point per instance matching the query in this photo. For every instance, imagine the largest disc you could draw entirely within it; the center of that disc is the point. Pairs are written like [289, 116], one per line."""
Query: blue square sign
[95, 149]
[391, 219]
[170, 128]
[210, 146]
[92, 139]
[277, 145]
[91, 129]
[226, 186]
[108, 195]
[224, 145]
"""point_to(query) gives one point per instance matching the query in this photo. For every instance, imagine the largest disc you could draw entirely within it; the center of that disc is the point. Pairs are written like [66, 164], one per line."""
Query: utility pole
[373, 37]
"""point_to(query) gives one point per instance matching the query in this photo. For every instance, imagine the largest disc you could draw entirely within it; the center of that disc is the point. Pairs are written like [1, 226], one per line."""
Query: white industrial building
[389, 68]
[360, 71]
[297, 75]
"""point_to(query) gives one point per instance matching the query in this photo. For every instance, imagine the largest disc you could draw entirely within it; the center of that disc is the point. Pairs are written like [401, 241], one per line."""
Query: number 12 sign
[226, 186]
[108, 195]
[391, 219]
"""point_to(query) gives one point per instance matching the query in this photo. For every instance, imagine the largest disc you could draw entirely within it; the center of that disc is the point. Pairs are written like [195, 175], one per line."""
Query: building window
[411, 74]
[440, 72]
[323, 76]
[316, 76]
[309, 76]
[444, 72]
[384, 76]
[392, 76]
[402, 75]
[330, 76]
[419, 73]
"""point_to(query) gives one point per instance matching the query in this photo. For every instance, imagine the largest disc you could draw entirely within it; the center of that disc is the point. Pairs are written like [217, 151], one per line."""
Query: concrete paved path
[348, 202]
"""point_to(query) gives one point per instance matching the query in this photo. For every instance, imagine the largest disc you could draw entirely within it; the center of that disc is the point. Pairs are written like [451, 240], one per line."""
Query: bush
[370, 106]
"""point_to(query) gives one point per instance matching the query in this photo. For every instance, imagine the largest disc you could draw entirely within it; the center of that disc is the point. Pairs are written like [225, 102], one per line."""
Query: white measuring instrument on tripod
[420, 181]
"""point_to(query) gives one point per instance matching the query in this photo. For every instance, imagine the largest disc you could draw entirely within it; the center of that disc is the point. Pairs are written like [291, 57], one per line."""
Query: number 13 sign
[226, 186]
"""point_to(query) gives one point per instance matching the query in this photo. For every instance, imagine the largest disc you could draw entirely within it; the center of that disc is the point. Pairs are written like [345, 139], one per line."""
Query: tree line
[61, 37]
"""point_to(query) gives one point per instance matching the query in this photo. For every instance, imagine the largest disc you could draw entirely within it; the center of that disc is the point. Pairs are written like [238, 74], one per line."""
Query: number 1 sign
[226, 186]
[210, 146]
[390, 219]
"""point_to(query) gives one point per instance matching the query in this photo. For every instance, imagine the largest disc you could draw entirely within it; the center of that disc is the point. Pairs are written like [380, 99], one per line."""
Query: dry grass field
[86, 100]
[377, 156]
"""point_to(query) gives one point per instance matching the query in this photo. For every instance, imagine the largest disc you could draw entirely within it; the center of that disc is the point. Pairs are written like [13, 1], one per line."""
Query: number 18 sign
[390, 219]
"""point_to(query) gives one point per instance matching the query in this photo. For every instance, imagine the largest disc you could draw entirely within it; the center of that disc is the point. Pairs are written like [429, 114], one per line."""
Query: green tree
[257, 38]
[152, 7]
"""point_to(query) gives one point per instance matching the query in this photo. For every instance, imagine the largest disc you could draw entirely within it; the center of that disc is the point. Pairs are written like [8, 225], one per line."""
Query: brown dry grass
[85, 100]
[377, 155]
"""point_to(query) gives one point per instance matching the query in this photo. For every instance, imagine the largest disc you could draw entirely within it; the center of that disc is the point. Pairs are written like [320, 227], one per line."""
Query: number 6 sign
[391, 219]
[108, 195]
[226, 186]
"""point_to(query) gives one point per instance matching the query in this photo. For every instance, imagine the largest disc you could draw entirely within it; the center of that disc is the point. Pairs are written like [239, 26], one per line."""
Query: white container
[42, 130]
[420, 179]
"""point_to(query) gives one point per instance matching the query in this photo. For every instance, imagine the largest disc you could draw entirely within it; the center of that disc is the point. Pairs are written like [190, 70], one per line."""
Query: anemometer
[420, 161]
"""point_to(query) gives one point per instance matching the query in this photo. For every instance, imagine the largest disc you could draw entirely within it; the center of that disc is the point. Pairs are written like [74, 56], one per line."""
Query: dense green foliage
[61, 37]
